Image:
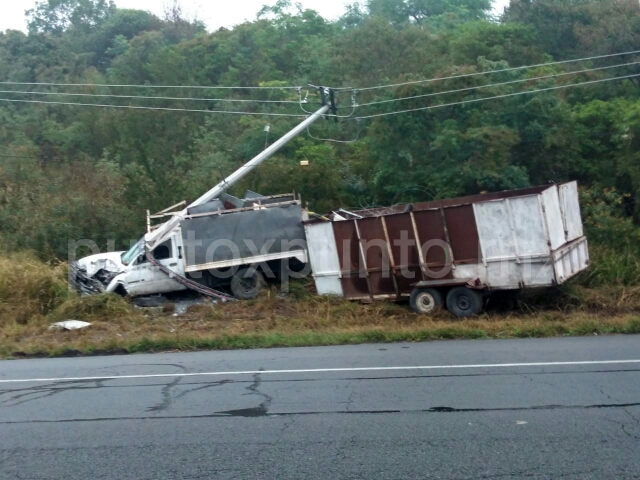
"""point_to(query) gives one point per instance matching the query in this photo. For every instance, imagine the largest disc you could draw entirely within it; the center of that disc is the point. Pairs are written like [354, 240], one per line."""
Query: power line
[489, 72]
[134, 107]
[355, 139]
[168, 109]
[144, 97]
[220, 87]
[478, 87]
[146, 86]
[498, 96]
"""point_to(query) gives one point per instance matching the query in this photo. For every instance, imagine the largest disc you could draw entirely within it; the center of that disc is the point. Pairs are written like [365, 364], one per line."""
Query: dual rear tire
[461, 301]
[247, 283]
[426, 301]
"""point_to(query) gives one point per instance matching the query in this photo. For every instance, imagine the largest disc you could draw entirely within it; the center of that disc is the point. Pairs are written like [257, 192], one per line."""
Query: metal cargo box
[500, 241]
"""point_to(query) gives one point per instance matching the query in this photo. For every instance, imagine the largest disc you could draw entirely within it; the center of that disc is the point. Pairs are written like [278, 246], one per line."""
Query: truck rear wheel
[425, 300]
[464, 302]
[246, 283]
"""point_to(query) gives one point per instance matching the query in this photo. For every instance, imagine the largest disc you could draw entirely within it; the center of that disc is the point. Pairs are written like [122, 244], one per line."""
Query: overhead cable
[144, 97]
[558, 87]
[488, 72]
[202, 87]
[522, 80]
[333, 140]
[167, 109]
[134, 107]
[379, 102]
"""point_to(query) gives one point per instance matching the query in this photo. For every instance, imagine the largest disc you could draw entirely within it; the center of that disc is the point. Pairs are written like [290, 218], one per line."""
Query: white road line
[318, 370]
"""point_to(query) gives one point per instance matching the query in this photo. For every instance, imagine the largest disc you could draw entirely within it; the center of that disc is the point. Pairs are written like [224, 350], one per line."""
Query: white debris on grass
[69, 325]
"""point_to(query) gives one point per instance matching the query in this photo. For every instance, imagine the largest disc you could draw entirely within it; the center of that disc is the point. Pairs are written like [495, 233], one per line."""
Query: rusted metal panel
[436, 254]
[407, 277]
[347, 246]
[402, 240]
[364, 272]
[404, 251]
[355, 285]
[382, 283]
[463, 234]
[392, 262]
[376, 255]
[354, 276]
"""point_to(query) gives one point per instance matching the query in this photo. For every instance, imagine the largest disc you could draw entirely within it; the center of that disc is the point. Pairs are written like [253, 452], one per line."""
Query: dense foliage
[71, 172]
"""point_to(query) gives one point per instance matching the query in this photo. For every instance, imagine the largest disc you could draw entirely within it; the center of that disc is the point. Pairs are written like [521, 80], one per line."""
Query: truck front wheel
[464, 302]
[246, 283]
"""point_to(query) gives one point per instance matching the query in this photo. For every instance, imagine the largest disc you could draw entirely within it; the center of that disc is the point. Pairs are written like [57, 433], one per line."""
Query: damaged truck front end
[94, 274]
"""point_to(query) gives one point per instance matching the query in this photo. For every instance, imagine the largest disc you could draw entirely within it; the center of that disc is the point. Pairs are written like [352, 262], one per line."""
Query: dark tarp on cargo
[265, 230]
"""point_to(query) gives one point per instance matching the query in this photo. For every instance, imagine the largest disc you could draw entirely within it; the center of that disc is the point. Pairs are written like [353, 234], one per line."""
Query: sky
[214, 13]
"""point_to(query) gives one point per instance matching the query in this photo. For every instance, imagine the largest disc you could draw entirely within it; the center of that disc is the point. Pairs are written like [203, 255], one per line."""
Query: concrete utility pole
[157, 236]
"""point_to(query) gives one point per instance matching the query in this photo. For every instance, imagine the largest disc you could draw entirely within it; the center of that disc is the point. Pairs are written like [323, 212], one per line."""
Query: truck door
[148, 279]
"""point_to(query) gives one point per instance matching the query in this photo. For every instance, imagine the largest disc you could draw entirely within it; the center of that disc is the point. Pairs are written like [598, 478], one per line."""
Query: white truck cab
[130, 272]
[141, 277]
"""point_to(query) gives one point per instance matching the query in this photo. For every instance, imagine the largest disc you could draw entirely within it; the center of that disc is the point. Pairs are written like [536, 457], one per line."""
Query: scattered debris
[151, 301]
[183, 305]
[69, 325]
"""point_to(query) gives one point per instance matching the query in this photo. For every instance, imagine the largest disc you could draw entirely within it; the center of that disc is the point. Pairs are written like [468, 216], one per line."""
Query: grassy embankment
[604, 300]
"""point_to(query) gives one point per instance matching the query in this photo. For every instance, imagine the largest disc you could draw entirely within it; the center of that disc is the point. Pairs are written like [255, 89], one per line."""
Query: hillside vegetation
[72, 172]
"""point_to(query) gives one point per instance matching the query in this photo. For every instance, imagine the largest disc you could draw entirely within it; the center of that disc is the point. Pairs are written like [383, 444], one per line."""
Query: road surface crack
[167, 397]
[254, 388]
[623, 427]
[631, 415]
[30, 394]
[350, 397]
[261, 410]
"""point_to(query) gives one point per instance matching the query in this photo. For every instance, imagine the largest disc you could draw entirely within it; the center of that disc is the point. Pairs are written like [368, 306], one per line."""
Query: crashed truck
[216, 241]
[454, 253]
[226, 242]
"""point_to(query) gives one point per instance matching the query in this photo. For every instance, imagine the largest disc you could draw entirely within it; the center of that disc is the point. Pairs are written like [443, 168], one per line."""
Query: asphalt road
[446, 410]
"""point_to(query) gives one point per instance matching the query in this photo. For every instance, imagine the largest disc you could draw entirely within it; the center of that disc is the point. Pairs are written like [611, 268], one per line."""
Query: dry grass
[33, 295]
[29, 289]
[274, 321]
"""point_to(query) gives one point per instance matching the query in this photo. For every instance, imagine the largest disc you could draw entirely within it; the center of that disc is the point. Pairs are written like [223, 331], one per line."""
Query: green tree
[57, 16]
[421, 11]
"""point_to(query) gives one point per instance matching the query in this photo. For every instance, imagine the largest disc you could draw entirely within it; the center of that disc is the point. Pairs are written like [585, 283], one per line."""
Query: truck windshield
[133, 253]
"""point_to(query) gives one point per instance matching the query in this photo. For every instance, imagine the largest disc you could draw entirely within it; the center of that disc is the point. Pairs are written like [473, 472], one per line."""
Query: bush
[614, 241]
[29, 288]
[33, 291]
[103, 307]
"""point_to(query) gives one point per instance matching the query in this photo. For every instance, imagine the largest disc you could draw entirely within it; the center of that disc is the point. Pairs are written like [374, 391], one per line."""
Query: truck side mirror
[180, 252]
